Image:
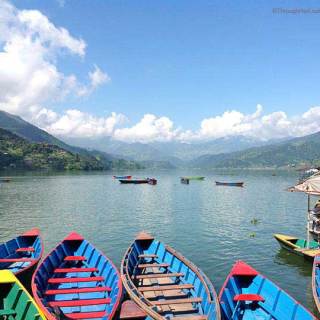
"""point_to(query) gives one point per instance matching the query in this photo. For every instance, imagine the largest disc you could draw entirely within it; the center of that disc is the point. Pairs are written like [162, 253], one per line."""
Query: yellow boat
[298, 246]
[15, 301]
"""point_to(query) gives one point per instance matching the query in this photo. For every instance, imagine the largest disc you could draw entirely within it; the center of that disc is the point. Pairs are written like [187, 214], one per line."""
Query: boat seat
[86, 315]
[28, 249]
[68, 270]
[198, 317]
[248, 297]
[77, 290]
[159, 275]
[142, 256]
[7, 312]
[79, 303]
[75, 279]
[75, 258]
[11, 260]
[176, 301]
[166, 288]
[153, 265]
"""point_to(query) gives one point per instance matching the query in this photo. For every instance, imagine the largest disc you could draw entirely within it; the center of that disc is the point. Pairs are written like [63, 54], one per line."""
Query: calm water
[210, 225]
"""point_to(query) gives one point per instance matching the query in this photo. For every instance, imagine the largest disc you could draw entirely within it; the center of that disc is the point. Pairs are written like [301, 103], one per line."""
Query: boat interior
[76, 282]
[168, 283]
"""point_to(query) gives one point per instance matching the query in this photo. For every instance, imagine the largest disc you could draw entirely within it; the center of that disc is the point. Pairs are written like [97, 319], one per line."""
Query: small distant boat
[151, 181]
[5, 179]
[21, 255]
[122, 177]
[184, 180]
[15, 301]
[164, 284]
[230, 184]
[298, 246]
[247, 294]
[194, 178]
[76, 281]
[316, 281]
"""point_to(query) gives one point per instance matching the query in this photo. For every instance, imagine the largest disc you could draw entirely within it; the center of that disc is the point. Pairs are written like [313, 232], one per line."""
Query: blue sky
[190, 60]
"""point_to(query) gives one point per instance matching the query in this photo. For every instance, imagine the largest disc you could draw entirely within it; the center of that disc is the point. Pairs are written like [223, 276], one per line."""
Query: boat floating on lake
[230, 184]
[21, 255]
[184, 180]
[5, 179]
[199, 178]
[151, 181]
[76, 281]
[248, 295]
[298, 246]
[122, 177]
[15, 301]
[316, 281]
[164, 284]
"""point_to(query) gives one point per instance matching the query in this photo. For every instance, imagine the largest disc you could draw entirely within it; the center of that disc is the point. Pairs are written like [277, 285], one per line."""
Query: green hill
[304, 151]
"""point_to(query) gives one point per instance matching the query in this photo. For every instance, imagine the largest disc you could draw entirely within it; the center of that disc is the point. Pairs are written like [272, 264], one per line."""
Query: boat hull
[194, 178]
[230, 184]
[15, 299]
[246, 294]
[292, 244]
[122, 177]
[152, 273]
[76, 269]
[133, 181]
[316, 281]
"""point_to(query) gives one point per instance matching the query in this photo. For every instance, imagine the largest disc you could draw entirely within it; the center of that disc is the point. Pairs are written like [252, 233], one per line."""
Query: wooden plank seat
[166, 287]
[11, 260]
[159, 275]
[75, 258]
[7, 312]
[248, 297]
[68, 270]
[197, 317]
[153, 265]
[176, 301]
[86, 315]
[77, 290]
[143, 256]
[28, 249]
[75, 279]
[79, 303]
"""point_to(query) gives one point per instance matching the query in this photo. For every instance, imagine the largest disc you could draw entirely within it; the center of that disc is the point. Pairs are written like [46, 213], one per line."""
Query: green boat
[193, 178]
[15, 301]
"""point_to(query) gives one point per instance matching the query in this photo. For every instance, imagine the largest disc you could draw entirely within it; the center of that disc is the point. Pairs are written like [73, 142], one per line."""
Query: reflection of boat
[164, 284]
[230, 184]
[5, 179]
[247, 294]
[122, 177]
[139, 181]
[76, 281]
[15, 301]
[298, 246]
[21, 255]
[193, 178]
[316, 281]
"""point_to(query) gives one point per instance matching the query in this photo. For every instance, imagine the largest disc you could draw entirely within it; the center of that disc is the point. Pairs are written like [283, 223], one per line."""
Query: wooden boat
[298, 246]
[248, 295]
[200, 178]
[164, 284]
[76, 281]
[316, 281]
[5, 179]
[122, 177]
[230, 184]
[15, 301]
[151, 181]
[21, 255]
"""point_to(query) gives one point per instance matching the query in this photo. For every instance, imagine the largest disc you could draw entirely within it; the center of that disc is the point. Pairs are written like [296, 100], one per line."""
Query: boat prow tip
[143, 235]
[73, 236]
[32, 233]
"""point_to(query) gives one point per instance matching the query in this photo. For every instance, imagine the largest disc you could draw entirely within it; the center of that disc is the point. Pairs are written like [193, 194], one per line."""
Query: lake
[210, 225]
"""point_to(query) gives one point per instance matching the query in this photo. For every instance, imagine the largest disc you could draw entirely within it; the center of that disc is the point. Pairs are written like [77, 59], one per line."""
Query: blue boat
[230, 184]
[21, 255]
[122, 177]
[248, 295]
[164, 284]
[76, 281]
[316, 281]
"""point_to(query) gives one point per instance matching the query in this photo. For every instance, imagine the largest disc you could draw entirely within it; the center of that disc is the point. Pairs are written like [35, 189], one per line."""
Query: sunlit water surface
[210, 225]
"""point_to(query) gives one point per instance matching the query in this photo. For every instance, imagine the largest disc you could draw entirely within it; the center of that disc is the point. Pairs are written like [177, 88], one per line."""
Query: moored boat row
[77, 281]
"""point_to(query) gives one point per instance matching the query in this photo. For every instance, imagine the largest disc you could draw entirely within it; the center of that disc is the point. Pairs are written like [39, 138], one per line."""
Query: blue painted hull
[21, 255]
[149, 266]
[247, 295]
[76, 281]
[316, 281]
